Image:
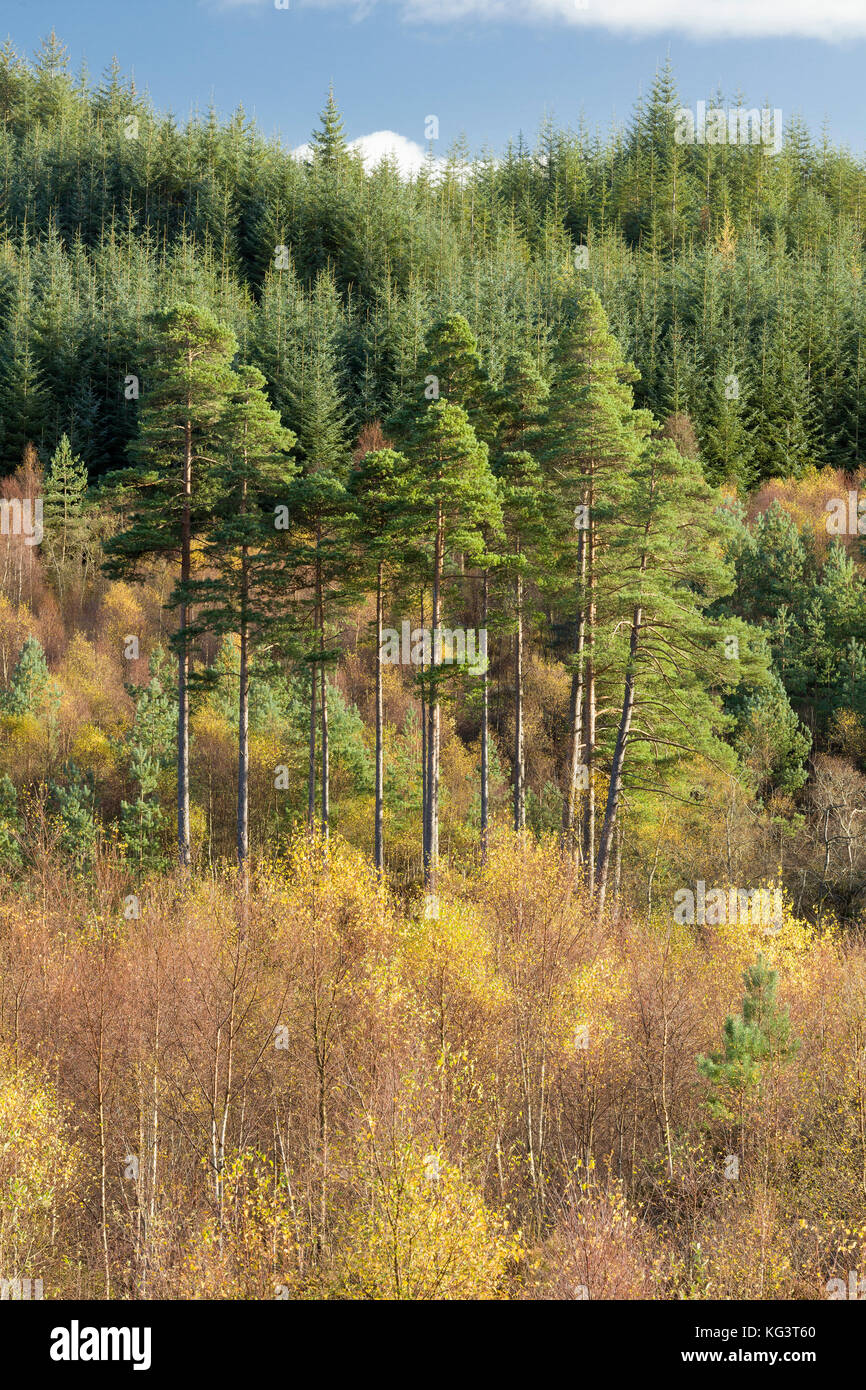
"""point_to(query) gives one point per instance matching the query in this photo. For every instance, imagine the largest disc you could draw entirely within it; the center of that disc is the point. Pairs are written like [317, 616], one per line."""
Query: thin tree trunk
[519, 771]
[378, 851]
[423, 748]
[103, 1155]
[485, 730]
[326, 779]
[244, 758]
[311, 774]
[589, 755]
[615, 788]
[575, 722]
[433, 732]
[183, 837]
[243, 837]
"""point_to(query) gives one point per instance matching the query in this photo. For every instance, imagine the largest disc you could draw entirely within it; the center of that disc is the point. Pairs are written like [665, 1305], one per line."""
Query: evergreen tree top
[329, 141]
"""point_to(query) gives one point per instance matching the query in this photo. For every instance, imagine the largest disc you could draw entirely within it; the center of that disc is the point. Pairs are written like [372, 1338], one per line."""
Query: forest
[432, 709]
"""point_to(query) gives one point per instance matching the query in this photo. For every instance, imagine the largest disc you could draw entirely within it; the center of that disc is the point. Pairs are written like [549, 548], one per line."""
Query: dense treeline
[711, 260]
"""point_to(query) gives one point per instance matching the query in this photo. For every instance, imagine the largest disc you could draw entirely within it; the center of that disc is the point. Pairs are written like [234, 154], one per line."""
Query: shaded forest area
[433, 688]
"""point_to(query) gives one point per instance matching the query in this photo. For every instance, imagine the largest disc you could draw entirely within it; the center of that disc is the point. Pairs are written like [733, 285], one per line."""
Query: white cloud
[382, 144]
[830, 19]
[813, 19]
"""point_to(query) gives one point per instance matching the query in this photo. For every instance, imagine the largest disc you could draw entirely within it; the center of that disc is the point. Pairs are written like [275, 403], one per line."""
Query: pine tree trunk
[431, 864]
[575, 720]
[326, 778]
[589, 757]
[243, 736]
[615, 789]
[311, 773]
[378, 851]
[423, 749]
[485, 731]
[183, 837]
[320, 638]
[243, 836]
[589, 805]
[519, 770]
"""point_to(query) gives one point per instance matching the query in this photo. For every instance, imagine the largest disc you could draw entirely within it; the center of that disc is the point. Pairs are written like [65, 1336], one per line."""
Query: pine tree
[457, 498]
[519, 403]
[589, 441]
[757, 1037]
[31, 688]
[669, 557]
[317, 505]
[381, 493]
[251, 477]
[168, 484]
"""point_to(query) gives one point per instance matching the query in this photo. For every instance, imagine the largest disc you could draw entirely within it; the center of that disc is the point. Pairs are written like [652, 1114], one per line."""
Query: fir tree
[64, 494]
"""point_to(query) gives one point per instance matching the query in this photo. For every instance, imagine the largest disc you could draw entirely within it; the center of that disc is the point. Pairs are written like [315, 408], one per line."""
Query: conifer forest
[432, 706]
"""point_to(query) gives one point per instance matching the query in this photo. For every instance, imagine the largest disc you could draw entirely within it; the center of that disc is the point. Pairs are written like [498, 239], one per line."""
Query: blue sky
[489, 68]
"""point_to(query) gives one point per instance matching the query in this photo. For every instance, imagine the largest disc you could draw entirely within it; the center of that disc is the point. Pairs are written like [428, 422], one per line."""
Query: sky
[487, 69]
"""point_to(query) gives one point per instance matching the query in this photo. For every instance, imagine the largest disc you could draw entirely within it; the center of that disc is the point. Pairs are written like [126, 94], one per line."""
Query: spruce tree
[64, 493]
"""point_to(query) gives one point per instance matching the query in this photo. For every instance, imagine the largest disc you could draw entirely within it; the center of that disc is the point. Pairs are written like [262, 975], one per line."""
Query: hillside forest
[432, 709]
